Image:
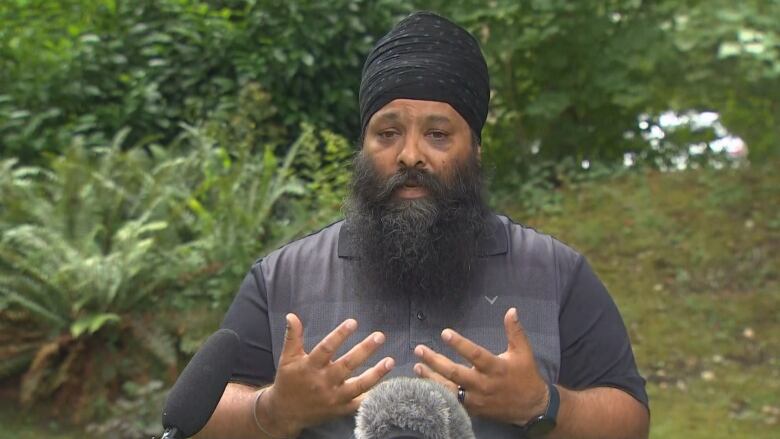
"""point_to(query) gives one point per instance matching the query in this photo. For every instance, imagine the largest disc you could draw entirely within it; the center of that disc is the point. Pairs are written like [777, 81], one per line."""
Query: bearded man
[424, 277]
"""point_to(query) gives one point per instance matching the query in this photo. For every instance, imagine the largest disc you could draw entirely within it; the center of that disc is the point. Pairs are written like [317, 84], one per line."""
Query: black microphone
[411, 408]
[198, 389]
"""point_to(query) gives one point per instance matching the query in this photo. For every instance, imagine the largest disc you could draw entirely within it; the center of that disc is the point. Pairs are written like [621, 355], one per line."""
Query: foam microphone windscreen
[198, 389]
[405, 408]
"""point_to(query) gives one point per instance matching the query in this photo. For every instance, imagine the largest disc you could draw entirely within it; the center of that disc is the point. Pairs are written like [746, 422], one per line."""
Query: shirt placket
[419, 324]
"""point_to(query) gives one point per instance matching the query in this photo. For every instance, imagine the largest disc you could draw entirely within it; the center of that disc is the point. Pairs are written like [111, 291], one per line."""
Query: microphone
[411, 408]
[198, 389]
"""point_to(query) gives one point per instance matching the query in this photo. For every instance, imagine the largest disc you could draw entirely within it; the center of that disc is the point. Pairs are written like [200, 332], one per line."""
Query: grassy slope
[692, 260]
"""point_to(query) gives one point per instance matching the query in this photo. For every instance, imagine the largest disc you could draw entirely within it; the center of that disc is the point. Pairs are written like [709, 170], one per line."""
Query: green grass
[692, 260]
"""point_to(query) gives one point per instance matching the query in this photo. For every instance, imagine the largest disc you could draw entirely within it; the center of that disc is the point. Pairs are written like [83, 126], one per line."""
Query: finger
[359, 399]
[517, 341]
[293, 337]
[423, 371]
[472, 400]
[350, 408]
[327, 347]
[356, 386]
[450, 370]
[481, 358]
[358, 355]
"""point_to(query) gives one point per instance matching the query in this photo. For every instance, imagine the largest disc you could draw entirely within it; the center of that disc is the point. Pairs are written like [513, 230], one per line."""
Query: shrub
[153, 65]
[99, 250]
[81, 271]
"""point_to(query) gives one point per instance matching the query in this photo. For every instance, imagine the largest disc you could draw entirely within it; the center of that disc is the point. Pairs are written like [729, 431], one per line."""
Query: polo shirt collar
[494, 243]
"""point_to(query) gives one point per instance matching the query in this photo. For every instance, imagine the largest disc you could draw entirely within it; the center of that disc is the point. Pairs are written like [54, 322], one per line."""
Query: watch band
[554, 404]
[540, 425]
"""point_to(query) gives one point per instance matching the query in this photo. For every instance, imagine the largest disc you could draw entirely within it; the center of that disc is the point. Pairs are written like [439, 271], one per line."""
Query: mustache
[411, 177]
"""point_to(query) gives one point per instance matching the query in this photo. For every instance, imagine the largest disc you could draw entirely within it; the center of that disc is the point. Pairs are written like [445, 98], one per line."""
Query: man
[421, 279]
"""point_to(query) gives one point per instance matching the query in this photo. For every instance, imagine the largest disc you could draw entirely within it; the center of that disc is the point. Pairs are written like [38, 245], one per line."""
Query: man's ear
[479, 152]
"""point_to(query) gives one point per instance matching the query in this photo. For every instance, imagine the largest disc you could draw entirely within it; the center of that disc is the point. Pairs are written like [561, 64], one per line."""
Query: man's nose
[411, 155]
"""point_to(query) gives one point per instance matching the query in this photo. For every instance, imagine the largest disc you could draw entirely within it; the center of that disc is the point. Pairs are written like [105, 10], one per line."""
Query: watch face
[540, 427]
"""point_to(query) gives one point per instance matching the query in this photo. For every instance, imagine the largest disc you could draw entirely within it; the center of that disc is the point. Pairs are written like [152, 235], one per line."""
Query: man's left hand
[505, 387]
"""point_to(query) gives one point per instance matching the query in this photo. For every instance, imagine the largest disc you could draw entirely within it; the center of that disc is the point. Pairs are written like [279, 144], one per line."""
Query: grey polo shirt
[574, 327]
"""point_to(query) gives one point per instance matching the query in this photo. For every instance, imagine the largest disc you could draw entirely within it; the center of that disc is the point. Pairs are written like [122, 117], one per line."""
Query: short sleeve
[595, 348]
[248, 317]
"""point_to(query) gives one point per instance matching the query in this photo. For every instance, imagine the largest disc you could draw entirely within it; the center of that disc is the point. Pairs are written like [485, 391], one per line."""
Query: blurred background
[150, 151]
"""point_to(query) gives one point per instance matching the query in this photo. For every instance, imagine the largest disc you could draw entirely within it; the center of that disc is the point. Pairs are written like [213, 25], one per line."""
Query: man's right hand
[312, 388]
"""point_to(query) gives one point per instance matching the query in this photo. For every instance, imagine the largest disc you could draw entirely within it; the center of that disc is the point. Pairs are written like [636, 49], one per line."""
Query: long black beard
[422, 248]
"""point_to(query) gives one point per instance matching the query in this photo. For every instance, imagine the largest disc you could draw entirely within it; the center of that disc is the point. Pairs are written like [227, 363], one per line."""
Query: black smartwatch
[540, 425]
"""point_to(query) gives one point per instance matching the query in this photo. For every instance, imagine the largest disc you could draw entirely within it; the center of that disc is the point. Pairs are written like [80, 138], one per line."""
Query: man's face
[415, 208]
[427, 136]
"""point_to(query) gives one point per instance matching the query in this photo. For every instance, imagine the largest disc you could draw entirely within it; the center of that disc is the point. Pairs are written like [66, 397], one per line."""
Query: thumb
[515, 334]
[293, 338]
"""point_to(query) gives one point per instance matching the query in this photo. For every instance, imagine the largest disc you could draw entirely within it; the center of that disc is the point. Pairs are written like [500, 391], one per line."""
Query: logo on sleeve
[491, 300]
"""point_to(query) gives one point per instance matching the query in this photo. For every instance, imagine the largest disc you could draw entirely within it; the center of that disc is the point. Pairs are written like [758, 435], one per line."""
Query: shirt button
[420, 315]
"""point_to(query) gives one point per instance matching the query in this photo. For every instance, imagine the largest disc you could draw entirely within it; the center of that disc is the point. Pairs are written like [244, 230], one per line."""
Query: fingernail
[418, 369]
[378, 338]
[389, 363]
[350, 324]
[514, 313]
[446, 335]
[419, 351]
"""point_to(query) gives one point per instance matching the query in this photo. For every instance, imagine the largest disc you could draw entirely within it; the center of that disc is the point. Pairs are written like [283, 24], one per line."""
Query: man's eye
[387, 135]
[437, 135]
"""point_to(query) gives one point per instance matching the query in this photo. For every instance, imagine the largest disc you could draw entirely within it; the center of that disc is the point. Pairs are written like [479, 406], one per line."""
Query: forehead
[411, 109]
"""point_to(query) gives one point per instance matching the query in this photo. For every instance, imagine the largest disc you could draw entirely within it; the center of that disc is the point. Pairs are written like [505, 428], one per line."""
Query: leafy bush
[246, 201]
[152, 65]
[81, 264]
[572, 80]
[96, 248]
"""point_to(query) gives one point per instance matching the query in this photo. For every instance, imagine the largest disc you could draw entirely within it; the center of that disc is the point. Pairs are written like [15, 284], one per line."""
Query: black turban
[427, 57]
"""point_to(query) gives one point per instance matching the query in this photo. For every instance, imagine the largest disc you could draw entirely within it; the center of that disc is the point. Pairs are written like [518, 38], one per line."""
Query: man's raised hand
[310, 388]
[505, 387]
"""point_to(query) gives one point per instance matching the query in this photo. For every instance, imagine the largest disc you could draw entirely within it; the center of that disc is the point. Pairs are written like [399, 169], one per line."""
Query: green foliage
[246, 201]
[573, 79]
[153, 65]
[80, 264]
[309, 54]
[94, 247]
[730, 62]
[143, 65]
[570, 79]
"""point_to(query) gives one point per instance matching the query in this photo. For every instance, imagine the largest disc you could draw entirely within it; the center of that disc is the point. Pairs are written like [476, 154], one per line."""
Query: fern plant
[252, 194]
[105, 243]
[84, 256]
